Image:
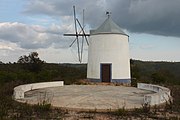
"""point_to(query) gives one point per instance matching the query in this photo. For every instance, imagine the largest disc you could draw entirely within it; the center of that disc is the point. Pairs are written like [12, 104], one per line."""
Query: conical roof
[108, 27]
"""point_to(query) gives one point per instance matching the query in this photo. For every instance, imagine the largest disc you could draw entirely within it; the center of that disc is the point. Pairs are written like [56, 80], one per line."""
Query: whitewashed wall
[109, 48]
[21, 89]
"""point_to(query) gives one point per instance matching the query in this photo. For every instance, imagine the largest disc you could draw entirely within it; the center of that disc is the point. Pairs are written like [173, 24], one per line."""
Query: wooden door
[106, 72]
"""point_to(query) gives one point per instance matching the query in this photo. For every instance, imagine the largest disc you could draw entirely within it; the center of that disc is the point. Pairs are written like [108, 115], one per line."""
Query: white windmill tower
[108, 54]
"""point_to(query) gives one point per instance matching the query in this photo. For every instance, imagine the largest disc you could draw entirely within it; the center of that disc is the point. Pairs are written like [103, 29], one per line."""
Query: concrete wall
[112, 49]
[161, 94]
[21, 89]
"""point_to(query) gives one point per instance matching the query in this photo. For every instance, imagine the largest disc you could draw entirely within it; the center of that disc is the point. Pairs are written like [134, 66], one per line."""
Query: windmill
[78, 34]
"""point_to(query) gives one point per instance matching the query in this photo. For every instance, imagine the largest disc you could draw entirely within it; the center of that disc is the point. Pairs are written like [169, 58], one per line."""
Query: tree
[31, 62]
[1, 63]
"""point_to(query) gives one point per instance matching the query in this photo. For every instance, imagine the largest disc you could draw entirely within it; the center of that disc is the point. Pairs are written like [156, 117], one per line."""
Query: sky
[38, 26]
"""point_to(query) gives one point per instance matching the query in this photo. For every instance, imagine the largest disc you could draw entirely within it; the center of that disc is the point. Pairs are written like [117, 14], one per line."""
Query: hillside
[141, 71]
[156, 72]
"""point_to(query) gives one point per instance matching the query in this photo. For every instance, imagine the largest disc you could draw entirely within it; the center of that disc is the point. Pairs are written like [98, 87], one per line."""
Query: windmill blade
[69, 34]
[79, 56]
[73, 42]
[83, 31]
[75, 19]
[82, 44]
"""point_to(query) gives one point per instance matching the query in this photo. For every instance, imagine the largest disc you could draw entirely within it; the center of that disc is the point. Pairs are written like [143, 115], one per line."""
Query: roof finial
[108, 13]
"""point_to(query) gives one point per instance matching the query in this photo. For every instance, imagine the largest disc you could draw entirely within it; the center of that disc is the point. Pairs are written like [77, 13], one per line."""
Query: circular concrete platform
[89, 97]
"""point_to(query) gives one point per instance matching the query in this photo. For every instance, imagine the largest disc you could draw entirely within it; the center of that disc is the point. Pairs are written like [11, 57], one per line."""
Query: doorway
[106, 72]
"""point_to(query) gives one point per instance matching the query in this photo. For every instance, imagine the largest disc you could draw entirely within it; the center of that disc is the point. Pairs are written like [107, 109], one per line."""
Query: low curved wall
[21, 89]
[161, 94]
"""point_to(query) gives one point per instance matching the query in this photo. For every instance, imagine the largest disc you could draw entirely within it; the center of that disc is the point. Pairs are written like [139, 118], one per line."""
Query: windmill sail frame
[77, 34]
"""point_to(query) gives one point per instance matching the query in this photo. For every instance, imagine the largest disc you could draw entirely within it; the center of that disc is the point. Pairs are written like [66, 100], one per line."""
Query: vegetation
[31, 62]
[29, 69]
[164, 73]
[48, 72]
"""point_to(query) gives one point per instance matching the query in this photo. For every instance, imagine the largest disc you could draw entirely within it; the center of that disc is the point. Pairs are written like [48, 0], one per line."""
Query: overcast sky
[38, 25]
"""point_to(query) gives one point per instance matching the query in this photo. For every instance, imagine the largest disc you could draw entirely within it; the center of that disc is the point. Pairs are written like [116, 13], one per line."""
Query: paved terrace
[88, 97]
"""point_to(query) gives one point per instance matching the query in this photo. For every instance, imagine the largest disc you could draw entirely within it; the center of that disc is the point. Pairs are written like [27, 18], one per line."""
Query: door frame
[101, 64]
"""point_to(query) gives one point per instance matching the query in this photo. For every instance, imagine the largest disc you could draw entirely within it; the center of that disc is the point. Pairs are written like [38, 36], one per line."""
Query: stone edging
[21, 89]
[161, 95]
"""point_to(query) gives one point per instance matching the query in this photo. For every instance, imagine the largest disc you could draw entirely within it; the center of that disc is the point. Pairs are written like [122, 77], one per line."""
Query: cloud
[94, 10]
[161, 17]
[6, 47]
[31, 36]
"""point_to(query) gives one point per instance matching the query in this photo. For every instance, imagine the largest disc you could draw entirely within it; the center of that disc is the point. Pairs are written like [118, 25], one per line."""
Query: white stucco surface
[109, 48]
